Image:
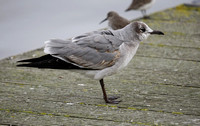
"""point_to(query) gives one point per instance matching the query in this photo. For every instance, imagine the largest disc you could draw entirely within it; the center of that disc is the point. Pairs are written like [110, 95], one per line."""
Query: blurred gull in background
[115, 21]
[194, 3]
[141, 5]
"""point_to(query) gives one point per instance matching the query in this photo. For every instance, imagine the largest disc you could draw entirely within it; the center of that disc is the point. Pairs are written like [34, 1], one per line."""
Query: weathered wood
[161, 85]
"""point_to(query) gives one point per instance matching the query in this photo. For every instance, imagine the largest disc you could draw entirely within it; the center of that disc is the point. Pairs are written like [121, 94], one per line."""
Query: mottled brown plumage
[115, 21]
[141, 5]
[136, 4]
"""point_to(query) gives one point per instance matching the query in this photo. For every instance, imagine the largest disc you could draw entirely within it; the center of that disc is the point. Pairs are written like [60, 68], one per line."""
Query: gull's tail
[47, 61]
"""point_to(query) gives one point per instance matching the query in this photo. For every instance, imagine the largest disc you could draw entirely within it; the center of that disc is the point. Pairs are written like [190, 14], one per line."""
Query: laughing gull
[115, 21]
[141, 5]
[100, 54]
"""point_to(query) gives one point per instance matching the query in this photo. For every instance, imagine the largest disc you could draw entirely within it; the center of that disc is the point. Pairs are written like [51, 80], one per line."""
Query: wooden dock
[161, 85]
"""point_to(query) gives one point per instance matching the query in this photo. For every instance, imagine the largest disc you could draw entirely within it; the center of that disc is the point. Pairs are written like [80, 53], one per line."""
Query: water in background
[26, 24]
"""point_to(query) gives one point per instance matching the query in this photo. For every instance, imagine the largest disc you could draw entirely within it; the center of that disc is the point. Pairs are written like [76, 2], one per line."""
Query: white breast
[127, 52]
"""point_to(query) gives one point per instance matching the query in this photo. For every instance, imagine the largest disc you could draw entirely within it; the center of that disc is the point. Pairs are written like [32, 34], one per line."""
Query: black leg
[108, 100]
[104, 91]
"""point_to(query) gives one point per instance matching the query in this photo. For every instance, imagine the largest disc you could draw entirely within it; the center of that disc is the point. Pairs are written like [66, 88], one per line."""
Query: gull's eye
[142, 30]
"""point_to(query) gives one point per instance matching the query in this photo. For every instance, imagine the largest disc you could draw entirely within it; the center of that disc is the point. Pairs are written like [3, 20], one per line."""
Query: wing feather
[94, 51]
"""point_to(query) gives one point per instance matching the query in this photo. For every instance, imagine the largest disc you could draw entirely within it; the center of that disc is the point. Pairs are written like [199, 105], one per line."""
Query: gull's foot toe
[113, 101]
[113, 97]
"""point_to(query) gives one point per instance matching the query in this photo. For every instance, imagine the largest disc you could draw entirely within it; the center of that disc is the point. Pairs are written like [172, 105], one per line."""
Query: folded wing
[93, 51]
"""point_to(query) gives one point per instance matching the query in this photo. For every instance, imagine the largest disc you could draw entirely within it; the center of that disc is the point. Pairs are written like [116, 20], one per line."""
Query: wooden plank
[161, 85]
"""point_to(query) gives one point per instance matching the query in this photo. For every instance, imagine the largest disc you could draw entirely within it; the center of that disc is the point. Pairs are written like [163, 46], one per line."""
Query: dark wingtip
[22, 61]
[23, 65]
[27, 60]
[48, 56]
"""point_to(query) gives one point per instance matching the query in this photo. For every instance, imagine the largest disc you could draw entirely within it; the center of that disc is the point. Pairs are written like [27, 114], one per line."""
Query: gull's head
[110, 15]
[142, 31]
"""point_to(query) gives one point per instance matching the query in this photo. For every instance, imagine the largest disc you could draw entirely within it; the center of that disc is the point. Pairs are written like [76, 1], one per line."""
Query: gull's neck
[127, 34]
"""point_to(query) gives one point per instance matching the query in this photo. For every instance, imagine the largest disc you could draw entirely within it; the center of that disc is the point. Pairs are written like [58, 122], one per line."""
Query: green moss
[160, 15]
[85, 90]
[7, 110]
[82, 103]
[177, 113]
[28, 112]
[144, 109]
[178, 33]
[66, 115]
[50, 114]
[43, 113]
[161, 45]
[103, 105]
[183, 7]
[141, 123]
[158, 45]
[132, 108]
[100, 118]
[152, 44]
[112, 106]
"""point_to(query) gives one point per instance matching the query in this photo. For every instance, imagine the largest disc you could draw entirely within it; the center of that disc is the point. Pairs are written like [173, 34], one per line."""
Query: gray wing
[100, 32]
[94, 51]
